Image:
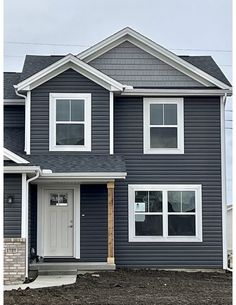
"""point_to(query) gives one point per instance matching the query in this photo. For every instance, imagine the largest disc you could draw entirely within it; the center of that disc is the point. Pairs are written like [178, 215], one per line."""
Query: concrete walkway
[45, 281]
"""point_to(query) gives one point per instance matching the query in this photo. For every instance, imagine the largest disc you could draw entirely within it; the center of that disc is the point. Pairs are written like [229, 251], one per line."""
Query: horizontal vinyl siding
[69, 82]
[93, 240]
[200, 164]
[12, 212]
[14, 116]
[131, 65]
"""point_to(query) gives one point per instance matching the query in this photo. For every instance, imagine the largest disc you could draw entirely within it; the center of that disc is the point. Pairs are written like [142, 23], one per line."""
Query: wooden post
[110, 257]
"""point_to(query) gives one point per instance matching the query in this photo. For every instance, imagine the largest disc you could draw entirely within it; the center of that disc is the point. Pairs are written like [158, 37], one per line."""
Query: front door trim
[41, 212]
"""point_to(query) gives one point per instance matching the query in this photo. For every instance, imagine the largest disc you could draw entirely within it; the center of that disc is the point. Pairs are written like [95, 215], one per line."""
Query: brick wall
[14, 260]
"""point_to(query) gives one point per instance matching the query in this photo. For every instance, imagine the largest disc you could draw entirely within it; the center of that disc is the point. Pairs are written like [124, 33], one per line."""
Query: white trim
[223, 182]
[164, 188]
[64, 64]
[9, 155]
[41, 219]
[20, 169]
[176, 92]
[24, 206]
[146, 125]
[53, 97]
[128, 34]
[27, 122]
[111, 123]
[84, 175]
[13, 102]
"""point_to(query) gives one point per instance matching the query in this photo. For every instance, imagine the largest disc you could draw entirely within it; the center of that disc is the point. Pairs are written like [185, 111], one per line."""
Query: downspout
[225, 206]
[27, 221]
[223, 168]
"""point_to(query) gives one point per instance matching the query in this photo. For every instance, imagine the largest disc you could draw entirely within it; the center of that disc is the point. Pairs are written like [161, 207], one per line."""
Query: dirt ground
[132, 288]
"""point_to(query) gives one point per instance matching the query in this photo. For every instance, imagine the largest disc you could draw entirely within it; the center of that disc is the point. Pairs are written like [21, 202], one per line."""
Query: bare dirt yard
[131, 287]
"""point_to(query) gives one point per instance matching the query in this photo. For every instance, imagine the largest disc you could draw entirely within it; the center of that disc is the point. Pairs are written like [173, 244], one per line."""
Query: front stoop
[70, 268]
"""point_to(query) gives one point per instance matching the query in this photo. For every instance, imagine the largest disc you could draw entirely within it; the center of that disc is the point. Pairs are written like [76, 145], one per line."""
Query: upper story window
[70, 122]
[163, 126]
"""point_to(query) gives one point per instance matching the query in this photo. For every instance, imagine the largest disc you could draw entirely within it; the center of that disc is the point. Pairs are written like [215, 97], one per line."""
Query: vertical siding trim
[223, 178]
[111, 123]
[27, 122]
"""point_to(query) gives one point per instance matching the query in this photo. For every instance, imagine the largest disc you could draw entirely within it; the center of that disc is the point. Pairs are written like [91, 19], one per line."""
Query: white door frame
[42, 188]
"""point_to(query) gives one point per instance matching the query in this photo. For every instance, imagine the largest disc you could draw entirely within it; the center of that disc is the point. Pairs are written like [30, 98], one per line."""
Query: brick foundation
[14, 260]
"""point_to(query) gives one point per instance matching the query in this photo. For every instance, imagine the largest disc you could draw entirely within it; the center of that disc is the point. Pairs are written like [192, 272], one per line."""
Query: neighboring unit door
[58, 230]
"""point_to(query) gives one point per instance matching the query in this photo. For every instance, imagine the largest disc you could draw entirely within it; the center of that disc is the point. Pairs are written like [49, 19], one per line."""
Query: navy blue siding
[93, 227]
[69, 82]
[200, 164]
[14, 116]
[33, 216]
[12, 212]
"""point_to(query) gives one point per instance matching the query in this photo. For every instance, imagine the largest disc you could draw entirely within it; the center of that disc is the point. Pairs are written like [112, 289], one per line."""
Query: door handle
[71, 226]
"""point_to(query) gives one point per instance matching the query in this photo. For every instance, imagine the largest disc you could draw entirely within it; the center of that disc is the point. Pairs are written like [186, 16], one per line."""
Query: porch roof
[71, 163]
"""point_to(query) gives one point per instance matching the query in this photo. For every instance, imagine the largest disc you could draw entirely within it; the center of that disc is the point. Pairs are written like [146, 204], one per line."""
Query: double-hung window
[70, 122]
[165, 213]
[163, 126]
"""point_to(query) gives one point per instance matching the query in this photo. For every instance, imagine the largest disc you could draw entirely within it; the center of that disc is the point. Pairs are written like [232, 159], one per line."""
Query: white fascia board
[154, 49]
[63, 64]
[176, 92]
[13, 102]
[14, 157]
[86, 175]
[20, 169]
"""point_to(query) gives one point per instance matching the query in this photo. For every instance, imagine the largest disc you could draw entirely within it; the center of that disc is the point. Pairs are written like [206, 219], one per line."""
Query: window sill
[69, 148]
[147, 239]
[162, 151]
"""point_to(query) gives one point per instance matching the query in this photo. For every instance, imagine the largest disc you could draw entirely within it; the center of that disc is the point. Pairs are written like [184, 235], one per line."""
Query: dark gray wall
[33, 216]
[69, 82]
[12, 212]
[14, 122]
[131, 65]
[93, 234]
[200, 164]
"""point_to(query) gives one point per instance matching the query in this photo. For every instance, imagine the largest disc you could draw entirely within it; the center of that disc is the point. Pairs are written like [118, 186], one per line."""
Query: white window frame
[180, 125]
[165, 188]
[53, 97]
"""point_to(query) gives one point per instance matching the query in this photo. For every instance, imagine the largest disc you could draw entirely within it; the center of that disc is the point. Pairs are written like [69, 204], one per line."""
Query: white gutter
[82, 175]
[26, 220]
[223, 179]
[20, 169]
[176, 92]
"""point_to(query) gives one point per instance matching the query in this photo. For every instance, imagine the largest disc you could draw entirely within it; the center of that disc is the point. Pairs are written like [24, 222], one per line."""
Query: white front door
[58, 225]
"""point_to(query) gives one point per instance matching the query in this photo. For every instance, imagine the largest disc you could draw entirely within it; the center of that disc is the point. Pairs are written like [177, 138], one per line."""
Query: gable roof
[64, 64]
[128, 34]
[11, 79]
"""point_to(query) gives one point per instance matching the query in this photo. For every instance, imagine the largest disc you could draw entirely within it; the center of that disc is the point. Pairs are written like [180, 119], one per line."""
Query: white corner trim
[24, 222]
[128, 34]
[165, 188]
[27, 122]
[14, 102]
[53, 97]
[63, 64]
[146, 125]
[111, 123]
[9, 155]
[223, 182]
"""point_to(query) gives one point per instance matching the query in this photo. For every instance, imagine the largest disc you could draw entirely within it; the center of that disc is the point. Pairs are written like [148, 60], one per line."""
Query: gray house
[114, 158]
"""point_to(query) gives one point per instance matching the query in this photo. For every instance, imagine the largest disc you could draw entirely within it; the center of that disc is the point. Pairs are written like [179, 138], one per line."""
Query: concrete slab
[45, 281]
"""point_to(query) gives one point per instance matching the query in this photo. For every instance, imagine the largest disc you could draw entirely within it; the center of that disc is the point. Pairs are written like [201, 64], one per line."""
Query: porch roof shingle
[71, 163]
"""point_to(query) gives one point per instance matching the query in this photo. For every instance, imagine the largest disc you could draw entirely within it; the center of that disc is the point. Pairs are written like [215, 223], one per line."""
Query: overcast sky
[187, 27]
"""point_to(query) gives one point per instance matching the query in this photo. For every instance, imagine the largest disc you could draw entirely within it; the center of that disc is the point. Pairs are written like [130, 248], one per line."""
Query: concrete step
[57, 272]
[72, 266]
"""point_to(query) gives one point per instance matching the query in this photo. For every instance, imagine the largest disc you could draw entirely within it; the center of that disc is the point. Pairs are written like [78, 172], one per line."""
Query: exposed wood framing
[110, 257]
